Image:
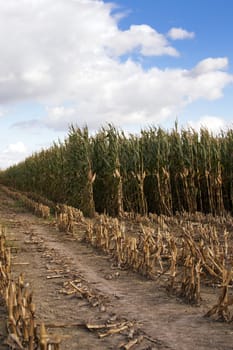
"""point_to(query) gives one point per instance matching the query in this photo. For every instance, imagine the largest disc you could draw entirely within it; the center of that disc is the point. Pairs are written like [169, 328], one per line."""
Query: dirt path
[54, 260]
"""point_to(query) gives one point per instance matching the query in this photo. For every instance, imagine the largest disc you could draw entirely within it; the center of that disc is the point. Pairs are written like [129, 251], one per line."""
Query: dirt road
[55, 264]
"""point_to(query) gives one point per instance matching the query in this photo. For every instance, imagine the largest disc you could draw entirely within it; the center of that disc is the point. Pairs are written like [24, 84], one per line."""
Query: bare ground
[50, 260]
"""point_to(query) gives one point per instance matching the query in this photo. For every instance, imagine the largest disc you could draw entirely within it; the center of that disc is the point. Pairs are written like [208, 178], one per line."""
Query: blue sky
[211, 20]
[129, 62]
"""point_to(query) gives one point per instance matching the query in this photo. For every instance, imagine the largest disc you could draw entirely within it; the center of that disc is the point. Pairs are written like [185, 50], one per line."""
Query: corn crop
[154, 172]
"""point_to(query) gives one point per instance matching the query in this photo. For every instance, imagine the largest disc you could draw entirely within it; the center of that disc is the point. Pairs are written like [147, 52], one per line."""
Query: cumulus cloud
[13, 153]
[17, 147]
[47, 44]
[180, 34]
[59, 117]
[125, 93]
[210, 64]
[142, 37]
[213, 123]
[67, 55]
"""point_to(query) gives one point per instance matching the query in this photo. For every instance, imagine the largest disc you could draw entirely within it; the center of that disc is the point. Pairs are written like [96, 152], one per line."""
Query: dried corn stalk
[21, 324]
[221, 311]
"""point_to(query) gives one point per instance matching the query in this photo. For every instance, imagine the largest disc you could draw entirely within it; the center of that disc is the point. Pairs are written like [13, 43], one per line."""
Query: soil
[50, 260]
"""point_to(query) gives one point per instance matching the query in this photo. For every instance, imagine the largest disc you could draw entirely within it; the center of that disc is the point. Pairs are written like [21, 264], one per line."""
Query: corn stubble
[22, 329]
[194, 255]
[197, 254]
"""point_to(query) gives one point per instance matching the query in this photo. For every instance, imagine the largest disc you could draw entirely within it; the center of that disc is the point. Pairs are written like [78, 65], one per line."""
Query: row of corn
[110, 172]
[66, 216]
[194, 256]
[23, 332]
[37, 208]
[185, 251]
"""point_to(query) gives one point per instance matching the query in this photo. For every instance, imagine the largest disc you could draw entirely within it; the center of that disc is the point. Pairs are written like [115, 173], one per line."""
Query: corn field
[185, 252]
[154, 172]
[23, 331]
[158, 203]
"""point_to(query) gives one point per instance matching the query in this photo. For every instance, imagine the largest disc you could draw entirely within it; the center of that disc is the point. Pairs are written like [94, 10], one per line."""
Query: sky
[132, 63]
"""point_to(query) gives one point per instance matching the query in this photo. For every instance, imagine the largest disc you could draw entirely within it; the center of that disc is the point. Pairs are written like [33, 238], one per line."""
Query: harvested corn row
[21, 322]
[198, 253]
[37, 208]
[66, 216]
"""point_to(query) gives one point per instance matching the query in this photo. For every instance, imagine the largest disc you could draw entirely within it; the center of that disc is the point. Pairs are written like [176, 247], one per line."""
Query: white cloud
[125, 93]
[46, 44]
[210, 64]
[68, 53]
[142, 37]
[213, 123]
[17, 147]
[60, 117]
[180, 34]
[12, 154]
[3, 112]
[37, 76]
